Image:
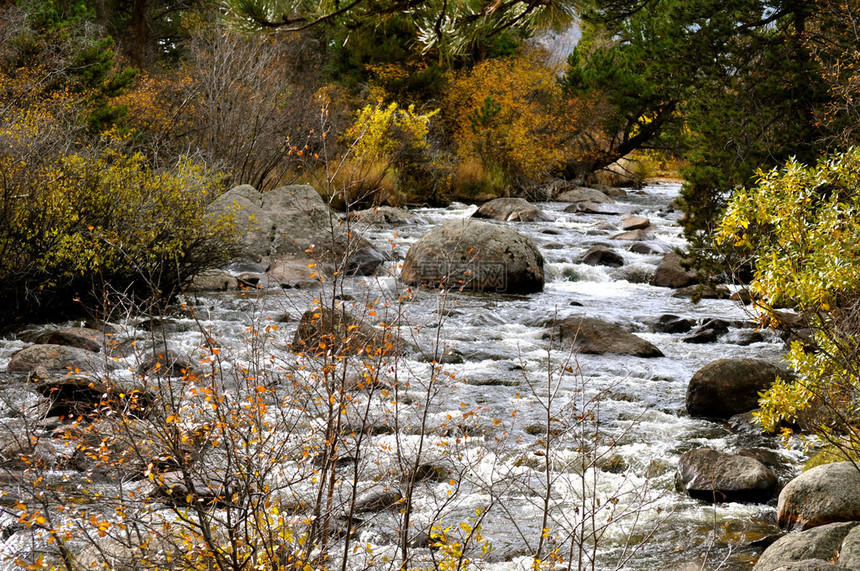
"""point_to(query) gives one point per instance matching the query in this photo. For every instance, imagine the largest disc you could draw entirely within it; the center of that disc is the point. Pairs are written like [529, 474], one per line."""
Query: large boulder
[510, 209]
[339, 331]
[475, 255]
[51, 356]
[583, 194]
[670, 273]
[293, 222]
[832, 546]
[825, 494]
[593, 336]
[714, 476]
[727, 387]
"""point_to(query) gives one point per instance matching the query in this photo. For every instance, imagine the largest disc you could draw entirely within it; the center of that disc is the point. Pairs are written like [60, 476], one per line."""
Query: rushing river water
[500, 371]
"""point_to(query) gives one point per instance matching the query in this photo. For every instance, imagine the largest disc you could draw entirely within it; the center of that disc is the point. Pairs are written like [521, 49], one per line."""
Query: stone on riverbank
[833, 546]
[714, 476]
[593, 336]
[825, 494]
[475, 255]
[510, 210]
[727, 387]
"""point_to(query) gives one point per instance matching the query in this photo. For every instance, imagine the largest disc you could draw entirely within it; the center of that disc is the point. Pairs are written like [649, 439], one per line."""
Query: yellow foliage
[510, 113]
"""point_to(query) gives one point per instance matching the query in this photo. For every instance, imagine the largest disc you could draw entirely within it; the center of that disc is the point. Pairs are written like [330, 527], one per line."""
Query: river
[618, 424]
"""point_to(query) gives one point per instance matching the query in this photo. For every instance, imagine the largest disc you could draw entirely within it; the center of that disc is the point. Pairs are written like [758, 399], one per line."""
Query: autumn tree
[510, 113]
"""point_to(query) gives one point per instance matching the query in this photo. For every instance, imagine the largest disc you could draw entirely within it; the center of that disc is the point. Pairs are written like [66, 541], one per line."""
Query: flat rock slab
[635, 223]
[593, 336]
[51, 356]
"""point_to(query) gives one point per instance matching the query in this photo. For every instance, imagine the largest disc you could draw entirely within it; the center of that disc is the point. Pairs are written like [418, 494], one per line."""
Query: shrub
[82, 225]
[801, 226]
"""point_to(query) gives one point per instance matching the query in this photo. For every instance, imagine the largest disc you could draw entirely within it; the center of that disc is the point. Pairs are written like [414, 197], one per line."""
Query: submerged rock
[339, 331]
[475, 255]
[713, 476]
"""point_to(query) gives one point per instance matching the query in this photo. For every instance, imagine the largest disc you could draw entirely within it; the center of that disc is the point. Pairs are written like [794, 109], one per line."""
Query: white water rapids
[488, 416]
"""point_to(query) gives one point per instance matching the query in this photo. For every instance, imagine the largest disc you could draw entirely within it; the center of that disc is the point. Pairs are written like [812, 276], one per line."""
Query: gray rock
[822, 544]
[668, 323]
[671, 274]
[727, 387]
[293, 221]
[475, 255]
[593, 336]
[510, 210]
[167, 363]
[702, 292]
[583, 194]
[53, 357]
[642, 248]
[321, 330]
[708, 332]
[80, 337]
[602, 256]
[633, 236]
[592, 208]
[377, 499]
[713, 476]
[825, 494]
[385, 215]
[214, 280]
[849, 555]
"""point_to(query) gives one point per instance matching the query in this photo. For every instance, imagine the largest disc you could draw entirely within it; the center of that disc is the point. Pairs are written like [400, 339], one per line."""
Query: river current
[620, 421]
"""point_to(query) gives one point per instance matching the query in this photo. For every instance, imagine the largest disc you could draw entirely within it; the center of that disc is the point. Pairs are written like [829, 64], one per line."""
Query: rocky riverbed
[547, 385]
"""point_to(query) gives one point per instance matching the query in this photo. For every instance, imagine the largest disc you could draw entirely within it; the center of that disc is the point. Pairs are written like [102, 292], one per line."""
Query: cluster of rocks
[822, 504]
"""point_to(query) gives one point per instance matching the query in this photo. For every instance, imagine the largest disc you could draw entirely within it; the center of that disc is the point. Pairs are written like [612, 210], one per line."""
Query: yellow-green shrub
[801, 225]
[84, 225]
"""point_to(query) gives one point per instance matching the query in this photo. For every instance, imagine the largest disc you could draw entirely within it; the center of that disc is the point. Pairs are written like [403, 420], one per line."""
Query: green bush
[82, 226]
